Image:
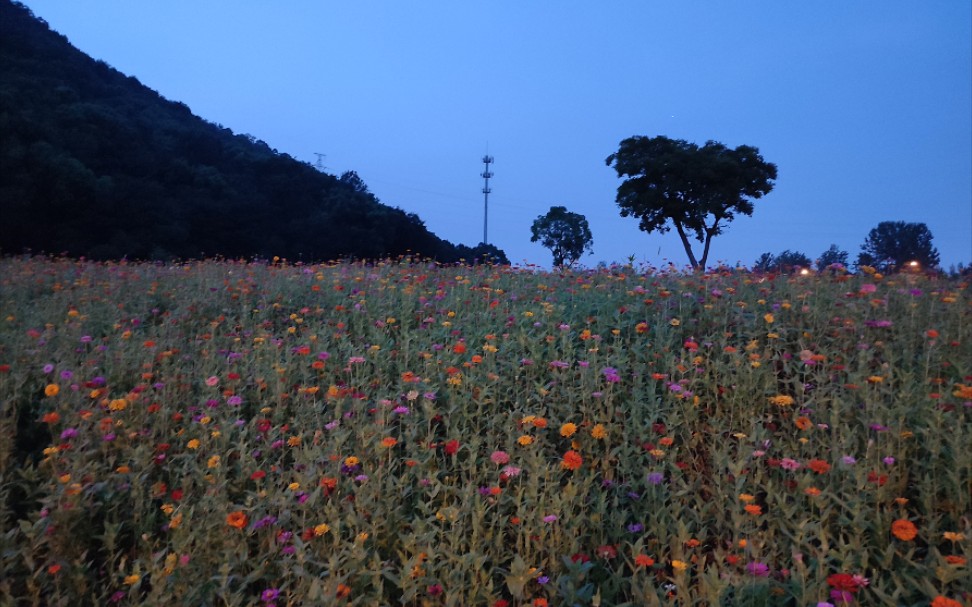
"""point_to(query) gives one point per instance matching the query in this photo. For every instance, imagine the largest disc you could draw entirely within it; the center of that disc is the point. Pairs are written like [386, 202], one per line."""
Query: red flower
[451, 447]
[607, 551]
[843, 582]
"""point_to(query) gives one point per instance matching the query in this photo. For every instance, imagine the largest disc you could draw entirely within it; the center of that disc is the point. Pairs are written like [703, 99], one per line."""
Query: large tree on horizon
[892, 244]
[697, 190]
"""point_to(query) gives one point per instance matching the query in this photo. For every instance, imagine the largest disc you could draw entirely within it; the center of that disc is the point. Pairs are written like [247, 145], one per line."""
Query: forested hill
[94, 163]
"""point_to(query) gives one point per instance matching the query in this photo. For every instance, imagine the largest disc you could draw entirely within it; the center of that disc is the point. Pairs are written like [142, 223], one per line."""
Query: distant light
[914, 264]
[804, 272]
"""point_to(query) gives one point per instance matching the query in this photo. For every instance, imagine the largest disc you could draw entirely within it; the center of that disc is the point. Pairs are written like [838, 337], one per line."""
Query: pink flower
[789, 464]
[499, 457]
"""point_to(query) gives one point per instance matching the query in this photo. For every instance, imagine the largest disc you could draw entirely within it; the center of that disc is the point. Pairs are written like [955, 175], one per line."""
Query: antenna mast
[487, 160]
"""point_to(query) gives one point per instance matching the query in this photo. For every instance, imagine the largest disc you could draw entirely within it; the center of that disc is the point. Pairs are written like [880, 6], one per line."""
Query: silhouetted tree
[696, 190]
[831, 257]
[566, 234]
[787, 261]
[892, 244]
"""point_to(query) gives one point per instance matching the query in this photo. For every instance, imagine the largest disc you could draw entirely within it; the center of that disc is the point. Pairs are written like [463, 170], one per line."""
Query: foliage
[893, 244]
[229, 433]
[566, 234]
[115, 170]
[697, 190]
[833, 258]
[787, 261]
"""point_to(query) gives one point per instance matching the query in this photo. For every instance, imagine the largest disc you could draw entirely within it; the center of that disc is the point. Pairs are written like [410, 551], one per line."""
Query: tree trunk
[708, 241]
[685, 243]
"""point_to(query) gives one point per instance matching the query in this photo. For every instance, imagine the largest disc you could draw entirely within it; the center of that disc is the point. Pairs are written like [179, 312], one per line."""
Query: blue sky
[865, 107]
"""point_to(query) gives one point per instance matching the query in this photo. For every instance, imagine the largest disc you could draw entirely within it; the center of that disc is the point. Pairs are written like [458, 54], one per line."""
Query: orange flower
[941, 601]
[343, 591]
[803, 423]
[236, 519]
[753, 509]
[643, 560]
[819, 466]
[51, 418]
[954, 559]
[904, 530]
[52, 389]
[388, 442]
[572, 460]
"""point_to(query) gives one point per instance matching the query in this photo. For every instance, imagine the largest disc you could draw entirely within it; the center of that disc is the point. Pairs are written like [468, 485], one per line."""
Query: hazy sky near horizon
[865, 107]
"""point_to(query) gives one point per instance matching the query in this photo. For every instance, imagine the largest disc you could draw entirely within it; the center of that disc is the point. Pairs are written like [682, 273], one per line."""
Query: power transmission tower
[320, 161]
[487, 160]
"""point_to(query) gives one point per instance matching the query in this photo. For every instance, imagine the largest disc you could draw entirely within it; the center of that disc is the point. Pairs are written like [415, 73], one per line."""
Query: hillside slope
[94, 163]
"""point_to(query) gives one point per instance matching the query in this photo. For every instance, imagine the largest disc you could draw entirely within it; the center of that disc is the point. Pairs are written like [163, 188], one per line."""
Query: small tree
[566, 234]
[787, 261]
[830, 257]
[696, 190]
[892, 244]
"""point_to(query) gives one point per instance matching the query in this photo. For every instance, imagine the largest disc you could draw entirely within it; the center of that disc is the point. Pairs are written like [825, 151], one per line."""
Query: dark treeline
[94, 163]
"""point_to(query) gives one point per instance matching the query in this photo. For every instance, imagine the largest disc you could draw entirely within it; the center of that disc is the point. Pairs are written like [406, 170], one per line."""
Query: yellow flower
[351, 461]
[568, 430]
[118, 404]
[293, 486]
[875, 379]
[679, 565]
[293, 441]
[599, 432]
[525, 440]
[768, 318]
[193, 444]
[782, 400]
[167, 508]
[132, 579]
[953, 536]
[321, 529]
[747, 498]
[213, 462]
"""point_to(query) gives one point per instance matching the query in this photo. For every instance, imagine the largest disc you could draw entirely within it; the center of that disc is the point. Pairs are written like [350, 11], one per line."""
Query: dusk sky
[865, 107]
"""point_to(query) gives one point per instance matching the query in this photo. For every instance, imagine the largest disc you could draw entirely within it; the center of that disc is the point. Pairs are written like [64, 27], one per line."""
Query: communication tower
[487, 160]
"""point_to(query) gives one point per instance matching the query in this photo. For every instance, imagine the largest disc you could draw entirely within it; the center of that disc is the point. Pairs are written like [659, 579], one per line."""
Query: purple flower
[757, 569]
[636, 528]
[656, 478]
[48, 368]
[269, 594]
[69, 433]
[234, 401]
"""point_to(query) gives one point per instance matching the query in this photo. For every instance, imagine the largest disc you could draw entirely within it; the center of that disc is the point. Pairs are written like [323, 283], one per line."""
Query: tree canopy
[787, 261]
[892, 244]
[697, 190]
[566, 234]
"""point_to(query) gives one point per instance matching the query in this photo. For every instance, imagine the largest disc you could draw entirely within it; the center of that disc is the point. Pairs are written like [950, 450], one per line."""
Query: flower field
[230, 433]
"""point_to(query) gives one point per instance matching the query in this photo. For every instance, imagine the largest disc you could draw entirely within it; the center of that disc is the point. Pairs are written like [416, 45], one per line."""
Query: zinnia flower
[904, 530]
[236, 519]
[572, 460]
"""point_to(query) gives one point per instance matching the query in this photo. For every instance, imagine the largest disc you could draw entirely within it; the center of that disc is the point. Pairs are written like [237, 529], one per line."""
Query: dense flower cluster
[234, 433]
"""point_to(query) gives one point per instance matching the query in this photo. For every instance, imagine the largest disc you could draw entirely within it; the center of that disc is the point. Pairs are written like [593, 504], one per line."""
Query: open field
[229, 433]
